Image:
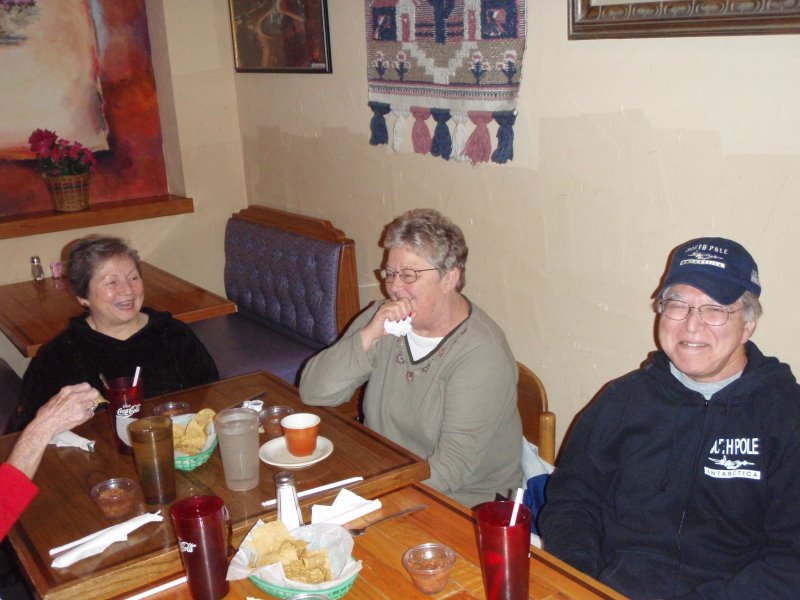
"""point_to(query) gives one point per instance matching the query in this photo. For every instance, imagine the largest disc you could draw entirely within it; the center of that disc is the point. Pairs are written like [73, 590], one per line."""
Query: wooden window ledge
[105, 213]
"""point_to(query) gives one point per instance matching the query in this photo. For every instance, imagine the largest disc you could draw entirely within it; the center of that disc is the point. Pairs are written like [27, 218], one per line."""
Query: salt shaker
[286, 495]
[36, 269]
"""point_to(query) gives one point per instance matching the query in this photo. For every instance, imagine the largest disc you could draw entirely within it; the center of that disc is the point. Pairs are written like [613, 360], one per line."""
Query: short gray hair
[431, 235]
[89, 253]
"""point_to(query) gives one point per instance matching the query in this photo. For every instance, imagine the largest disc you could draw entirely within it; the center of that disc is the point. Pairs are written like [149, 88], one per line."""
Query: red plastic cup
[124, 402]
[202, 525]
[504, 550]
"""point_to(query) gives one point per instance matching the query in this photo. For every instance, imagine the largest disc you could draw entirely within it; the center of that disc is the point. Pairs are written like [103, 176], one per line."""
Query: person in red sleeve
[71, 406]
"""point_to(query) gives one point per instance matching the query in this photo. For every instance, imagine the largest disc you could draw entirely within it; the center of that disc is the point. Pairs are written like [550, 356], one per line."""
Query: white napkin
[255, 405]
[346, 507]
[72, 440]
[99, 541]
[397, 328]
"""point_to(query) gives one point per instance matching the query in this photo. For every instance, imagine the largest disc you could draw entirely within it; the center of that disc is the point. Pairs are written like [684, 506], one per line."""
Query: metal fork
[407, 511]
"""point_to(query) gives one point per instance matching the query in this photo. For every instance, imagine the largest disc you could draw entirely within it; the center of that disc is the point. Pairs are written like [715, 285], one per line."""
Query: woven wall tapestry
[452, 66]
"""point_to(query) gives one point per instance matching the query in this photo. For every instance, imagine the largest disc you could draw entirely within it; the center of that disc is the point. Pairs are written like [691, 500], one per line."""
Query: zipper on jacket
[690, 495]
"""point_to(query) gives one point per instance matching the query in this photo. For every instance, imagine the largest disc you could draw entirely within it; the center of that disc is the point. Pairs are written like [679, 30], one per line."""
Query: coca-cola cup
[124, 405]
[202, 526]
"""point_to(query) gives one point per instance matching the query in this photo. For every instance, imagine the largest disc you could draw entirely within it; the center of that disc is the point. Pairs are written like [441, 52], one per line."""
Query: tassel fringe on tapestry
[453, 66]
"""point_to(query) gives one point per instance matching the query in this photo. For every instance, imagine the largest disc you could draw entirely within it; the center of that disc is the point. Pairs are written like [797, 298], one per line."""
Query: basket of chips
[311, 559]
[194, 439]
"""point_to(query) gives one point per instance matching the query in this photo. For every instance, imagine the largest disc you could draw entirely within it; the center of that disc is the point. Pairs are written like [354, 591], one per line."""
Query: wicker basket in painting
[69, 192]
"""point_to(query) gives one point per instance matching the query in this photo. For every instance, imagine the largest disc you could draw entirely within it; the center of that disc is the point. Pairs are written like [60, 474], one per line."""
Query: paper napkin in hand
[397, 328]
[346, 507]
[67, 439]
[97, 542]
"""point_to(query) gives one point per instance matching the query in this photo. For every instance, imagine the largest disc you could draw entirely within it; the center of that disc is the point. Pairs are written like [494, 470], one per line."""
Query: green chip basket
[190, 463]
[283, 592]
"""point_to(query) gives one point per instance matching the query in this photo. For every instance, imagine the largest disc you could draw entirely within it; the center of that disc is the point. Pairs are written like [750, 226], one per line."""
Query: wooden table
[34, 312]
[380, 550]
[63, 510]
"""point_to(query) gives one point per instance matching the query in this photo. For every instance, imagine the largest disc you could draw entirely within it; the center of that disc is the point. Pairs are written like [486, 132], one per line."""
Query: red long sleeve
[16, 492]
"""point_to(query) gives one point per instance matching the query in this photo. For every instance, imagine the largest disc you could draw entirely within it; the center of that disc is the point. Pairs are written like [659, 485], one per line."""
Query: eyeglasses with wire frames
[710, 314]
[406, 275]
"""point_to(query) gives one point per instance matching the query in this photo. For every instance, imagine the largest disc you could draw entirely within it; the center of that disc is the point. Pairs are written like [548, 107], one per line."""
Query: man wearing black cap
[681, 479]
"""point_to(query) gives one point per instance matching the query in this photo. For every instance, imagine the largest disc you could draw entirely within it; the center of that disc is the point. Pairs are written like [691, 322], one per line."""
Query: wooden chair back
[538, 423]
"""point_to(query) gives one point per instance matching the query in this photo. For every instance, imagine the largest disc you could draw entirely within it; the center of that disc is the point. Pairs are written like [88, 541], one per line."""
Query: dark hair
[431, 235]
[88, 253]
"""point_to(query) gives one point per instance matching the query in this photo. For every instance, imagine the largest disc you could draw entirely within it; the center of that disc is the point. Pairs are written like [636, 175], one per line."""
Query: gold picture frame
[593, 19]
[280, 36]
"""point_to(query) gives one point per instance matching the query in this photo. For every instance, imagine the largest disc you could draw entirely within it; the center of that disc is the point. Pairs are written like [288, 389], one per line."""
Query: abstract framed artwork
[84, 70]
[593, 19]
[280, 36]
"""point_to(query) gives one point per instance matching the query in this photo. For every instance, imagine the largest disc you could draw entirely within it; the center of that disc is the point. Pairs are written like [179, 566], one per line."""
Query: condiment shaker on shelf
[37, 273]
[286, 496]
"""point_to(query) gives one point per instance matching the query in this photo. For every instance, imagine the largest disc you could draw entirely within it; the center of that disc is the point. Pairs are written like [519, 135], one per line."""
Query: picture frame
[594, 19]
[280, 36]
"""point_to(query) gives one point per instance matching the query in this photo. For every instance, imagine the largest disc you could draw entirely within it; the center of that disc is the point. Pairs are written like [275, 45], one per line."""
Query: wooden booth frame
[593, 19]
[280, 36]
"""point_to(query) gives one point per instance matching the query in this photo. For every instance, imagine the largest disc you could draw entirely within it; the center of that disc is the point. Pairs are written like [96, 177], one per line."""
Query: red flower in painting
[56, 156]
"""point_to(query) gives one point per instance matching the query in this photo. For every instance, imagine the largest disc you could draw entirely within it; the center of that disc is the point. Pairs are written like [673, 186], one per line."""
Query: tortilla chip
[268, 538]
[204, 417]
[273, 543]
[192, 439]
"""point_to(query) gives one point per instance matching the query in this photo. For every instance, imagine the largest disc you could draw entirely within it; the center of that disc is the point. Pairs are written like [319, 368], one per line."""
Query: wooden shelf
[106, 213]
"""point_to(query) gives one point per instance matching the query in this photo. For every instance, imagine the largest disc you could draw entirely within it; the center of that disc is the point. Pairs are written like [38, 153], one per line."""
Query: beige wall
[624, 148]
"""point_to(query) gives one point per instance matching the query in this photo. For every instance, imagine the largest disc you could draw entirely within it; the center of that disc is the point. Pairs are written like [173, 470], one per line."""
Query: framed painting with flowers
[280, 36]
[81, 74]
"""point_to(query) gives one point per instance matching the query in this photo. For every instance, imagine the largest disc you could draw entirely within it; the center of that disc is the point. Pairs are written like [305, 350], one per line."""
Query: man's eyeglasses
[406, 275]
[710, 314]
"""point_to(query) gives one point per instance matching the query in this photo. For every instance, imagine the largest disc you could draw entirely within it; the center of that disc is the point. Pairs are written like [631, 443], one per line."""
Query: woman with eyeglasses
[115, 335]
[447, 389]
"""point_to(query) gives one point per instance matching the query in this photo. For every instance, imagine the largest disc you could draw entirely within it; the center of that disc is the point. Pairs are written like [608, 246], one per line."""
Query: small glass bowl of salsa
[115, 497]
[429, 566]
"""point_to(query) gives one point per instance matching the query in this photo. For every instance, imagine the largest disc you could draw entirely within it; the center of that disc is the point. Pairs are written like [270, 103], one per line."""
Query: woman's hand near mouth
[394, 310]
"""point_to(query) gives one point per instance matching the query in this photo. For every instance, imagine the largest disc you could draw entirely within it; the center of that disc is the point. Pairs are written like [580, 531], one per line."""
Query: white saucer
[274, 453]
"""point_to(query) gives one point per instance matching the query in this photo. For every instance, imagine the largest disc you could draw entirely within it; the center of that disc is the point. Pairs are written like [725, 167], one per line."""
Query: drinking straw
[136, 376]
[517, 502]
[103, 379]
[316, 490]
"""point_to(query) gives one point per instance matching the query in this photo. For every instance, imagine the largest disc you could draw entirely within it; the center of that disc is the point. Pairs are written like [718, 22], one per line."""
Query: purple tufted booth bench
[293, 279]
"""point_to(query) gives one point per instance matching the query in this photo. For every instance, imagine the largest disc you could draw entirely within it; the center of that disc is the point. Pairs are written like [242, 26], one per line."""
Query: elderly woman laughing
[446, 390]
[115, 335]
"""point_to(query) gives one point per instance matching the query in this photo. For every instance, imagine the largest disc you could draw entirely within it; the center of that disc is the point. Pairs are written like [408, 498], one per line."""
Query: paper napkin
[255, 405]
[72, 440]
[346, 507]
[99, 541]
[398, 328]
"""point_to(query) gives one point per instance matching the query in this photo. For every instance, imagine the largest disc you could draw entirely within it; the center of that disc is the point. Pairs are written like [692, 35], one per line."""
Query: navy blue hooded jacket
[662, 494]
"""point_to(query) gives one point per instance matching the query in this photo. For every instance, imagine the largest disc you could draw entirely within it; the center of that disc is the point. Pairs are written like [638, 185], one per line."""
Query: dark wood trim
[675, 18]
[105, 213]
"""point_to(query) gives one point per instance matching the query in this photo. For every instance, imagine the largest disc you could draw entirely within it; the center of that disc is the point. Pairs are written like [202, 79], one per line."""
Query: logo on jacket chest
[730, 458]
